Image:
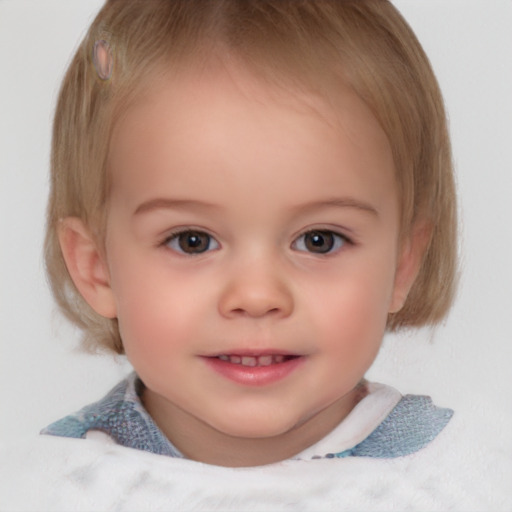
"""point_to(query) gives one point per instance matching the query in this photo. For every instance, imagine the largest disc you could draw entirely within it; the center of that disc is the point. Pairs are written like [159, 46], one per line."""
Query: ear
[409, 262]
[86, 266]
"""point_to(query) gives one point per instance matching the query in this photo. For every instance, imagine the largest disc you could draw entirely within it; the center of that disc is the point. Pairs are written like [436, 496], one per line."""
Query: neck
[199, 441]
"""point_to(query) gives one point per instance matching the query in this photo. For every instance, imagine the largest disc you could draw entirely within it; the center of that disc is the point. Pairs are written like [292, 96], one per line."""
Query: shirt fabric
[384, 424]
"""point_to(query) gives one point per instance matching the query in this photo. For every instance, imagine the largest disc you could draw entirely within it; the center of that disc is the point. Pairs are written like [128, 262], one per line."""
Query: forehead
[195, 85]
[211, 119]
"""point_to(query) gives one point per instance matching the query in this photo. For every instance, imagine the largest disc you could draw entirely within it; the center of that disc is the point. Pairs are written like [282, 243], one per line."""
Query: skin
[252, 169]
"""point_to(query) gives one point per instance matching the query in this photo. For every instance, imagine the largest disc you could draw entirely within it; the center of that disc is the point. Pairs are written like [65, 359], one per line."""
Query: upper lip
[244, 352]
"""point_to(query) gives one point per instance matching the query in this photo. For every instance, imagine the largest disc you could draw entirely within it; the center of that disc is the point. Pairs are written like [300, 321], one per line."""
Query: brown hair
[315, 44]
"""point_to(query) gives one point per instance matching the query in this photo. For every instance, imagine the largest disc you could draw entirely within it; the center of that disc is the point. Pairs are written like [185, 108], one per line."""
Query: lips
[254, 369]
[254, 361]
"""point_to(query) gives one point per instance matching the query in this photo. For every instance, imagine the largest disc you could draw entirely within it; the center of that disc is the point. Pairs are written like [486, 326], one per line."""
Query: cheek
[158, 310]
[352, 310]
[154, 333]
[142, 302]
[353, 323]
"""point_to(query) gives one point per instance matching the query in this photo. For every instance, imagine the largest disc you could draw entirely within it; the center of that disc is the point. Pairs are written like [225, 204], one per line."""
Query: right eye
[320, 241]
[191, 242]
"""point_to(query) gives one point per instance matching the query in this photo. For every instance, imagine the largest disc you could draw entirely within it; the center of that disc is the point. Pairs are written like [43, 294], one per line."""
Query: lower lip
[254, 375]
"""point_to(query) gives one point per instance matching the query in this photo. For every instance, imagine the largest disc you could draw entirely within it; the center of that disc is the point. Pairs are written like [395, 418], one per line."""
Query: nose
[256, 292]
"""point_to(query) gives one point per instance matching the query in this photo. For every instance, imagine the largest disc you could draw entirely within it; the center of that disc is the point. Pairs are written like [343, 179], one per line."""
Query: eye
[191, 242]
[320, 241]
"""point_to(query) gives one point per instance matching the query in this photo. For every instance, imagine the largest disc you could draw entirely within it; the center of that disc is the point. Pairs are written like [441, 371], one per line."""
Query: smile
[254, 361]
[255, 369]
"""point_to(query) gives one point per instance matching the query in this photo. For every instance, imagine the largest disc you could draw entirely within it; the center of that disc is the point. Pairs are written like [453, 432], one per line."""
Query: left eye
[192, 242]
[319, 241]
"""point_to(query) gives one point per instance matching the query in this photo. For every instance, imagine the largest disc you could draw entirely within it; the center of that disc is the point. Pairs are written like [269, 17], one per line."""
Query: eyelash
[338, 241]
[175, 237]
[335, 244]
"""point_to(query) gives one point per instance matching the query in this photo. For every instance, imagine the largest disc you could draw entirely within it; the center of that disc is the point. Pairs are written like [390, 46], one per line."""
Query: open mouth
[255, 361]
[255, 368]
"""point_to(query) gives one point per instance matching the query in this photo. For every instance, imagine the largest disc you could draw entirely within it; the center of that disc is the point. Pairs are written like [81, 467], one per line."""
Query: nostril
[254, 311]
[250, 299]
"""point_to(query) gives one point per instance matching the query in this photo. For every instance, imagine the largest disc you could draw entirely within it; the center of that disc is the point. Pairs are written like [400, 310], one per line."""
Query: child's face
[252, 252]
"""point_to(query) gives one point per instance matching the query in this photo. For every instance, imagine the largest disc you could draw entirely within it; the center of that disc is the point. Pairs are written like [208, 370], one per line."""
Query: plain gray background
[464, 364]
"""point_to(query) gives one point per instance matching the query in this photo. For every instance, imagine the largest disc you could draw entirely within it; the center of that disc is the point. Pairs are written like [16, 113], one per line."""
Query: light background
[464, 364]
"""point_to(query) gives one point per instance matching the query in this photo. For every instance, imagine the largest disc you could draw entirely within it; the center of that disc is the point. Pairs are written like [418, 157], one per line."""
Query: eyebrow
[178, 204]
[337, 202]
[172, 204]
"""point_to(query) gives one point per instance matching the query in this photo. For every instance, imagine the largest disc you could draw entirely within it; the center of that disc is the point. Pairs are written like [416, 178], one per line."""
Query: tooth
[264, 360]
[278, 359]
[235, 359]
[224, 358]
[249, 361]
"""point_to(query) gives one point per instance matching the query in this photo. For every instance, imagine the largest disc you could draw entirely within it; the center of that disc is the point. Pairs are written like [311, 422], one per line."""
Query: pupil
[319, 241]
[194, 242]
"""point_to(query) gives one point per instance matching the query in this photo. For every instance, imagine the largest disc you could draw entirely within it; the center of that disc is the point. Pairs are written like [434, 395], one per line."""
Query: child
[245, 196]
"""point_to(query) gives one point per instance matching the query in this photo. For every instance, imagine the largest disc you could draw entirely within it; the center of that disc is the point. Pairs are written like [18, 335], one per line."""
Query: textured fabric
[413, 423]
[122, 416]
[468, 468]
[375, 404]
